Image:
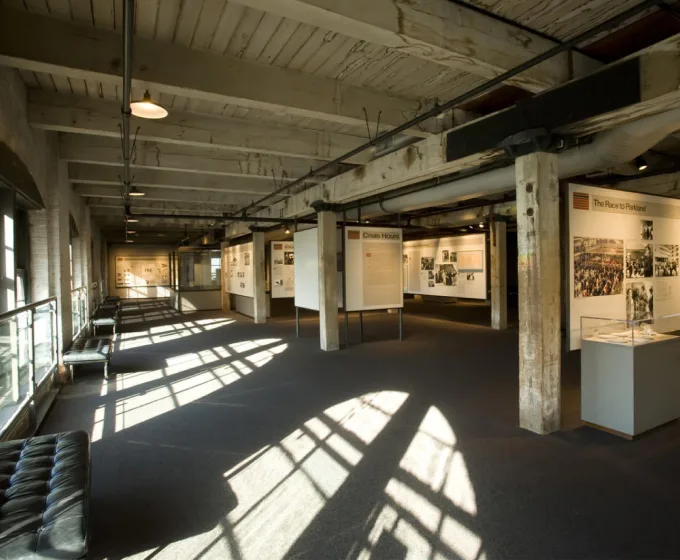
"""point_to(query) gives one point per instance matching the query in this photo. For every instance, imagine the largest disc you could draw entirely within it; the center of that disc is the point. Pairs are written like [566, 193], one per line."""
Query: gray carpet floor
[217, 438]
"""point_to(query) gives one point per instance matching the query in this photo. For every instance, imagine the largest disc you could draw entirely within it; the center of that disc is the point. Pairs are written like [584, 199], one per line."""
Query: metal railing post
[32, 412]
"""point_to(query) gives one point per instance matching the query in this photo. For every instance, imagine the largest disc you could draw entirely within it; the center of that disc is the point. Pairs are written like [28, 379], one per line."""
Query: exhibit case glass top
[630, 333]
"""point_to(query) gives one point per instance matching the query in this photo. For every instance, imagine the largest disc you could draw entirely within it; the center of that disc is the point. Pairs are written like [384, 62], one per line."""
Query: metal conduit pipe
[608, 149]
[128, 28]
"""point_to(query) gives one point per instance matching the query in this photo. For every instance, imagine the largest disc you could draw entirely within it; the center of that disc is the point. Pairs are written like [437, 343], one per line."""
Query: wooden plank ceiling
[228, 28]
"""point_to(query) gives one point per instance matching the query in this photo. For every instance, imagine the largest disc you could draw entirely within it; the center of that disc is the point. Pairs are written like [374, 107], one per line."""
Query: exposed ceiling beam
[664, 185]
[437, 31]
[45, 44]
[152, 178]
[209, 200]
[80, 148]
[168, 208]
[655, 87]
[84, 115]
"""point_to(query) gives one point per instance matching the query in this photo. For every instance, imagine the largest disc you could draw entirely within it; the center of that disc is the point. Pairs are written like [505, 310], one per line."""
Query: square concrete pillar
[538, 240]
[38, 224]
[499, 275]
[225, 296]
[60, 266]
[328, 280]
[259, 279]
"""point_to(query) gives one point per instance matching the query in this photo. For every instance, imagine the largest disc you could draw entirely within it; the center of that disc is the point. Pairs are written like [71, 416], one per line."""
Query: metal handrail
[18, 310]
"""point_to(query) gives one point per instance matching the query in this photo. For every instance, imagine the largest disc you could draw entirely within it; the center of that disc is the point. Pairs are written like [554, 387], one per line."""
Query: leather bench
[45, 489]
[104, 318]
[97, 349]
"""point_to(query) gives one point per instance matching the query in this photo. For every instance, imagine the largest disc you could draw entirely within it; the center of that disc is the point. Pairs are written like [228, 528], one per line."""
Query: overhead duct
[609, 149]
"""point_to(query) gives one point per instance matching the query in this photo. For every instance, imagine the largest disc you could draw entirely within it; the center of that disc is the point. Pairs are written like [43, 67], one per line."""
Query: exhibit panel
[238, 277]
[446, 266]
[142, 270]
[623, 257]
[373, 268]
[306, 269]
[282, 269]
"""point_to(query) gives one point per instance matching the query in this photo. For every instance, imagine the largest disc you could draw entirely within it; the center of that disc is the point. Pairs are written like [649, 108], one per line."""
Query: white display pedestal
[628, 389]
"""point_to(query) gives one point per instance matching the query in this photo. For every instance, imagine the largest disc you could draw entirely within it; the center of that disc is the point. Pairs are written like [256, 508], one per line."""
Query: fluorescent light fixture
[129, 241]
[481, 224]
[131, 232]
[132, 220]
[147, 109]
[135, 192]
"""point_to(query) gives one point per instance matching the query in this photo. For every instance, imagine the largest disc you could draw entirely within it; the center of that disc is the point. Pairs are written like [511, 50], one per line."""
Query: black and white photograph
[646, 230]
[666, 260]
[445, 274]
[278, 282]
[598, 267]
[445, 256]
[430, 284]
[430, 275]
[426, 263]
[405, 259]
[639, 301]
[246, 259]
[639, 260]
[470, 275]
[289, 258]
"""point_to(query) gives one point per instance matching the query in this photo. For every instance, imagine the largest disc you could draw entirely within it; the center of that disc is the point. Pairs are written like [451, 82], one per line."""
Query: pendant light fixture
[147, 109]
[641, 163]
[132, 220]
[135, 192]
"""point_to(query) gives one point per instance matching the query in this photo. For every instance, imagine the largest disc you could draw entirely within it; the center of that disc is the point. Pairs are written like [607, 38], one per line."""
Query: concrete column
[226, 297]
[86, 239]
[60, 273]
[38, 224]
[499, 275]
[538, 240]
[259, 279]
[328, 280]
[8, 296]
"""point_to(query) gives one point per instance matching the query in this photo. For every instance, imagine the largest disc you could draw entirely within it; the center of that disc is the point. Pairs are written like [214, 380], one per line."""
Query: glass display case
[630, 382]
[630, 332]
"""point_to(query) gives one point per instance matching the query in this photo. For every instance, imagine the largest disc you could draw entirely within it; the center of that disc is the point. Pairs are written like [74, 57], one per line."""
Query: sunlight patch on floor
[185, 379]
[430, 504]
[166, 333]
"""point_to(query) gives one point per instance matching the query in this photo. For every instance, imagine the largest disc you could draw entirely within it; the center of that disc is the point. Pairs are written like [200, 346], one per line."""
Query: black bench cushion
[105, 317]
[112, 298]
[44, 490]
[108, 306]
[95, 349]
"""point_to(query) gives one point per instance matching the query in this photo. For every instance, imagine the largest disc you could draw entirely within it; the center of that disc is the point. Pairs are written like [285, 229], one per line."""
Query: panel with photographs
[666, 260]
[598, 267]
[639, 260]
[639, 301]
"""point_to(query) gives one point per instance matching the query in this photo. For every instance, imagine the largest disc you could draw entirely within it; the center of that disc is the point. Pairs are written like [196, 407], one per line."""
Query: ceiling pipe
[608, 149]
[471, 94]
[128, 28]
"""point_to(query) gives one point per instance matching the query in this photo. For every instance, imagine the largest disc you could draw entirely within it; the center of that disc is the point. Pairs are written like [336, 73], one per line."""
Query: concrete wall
[136, 251]
[35, 148]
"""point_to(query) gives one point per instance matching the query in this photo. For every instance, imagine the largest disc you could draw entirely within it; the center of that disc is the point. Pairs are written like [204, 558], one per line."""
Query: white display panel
[623, 256]
[373, 265]
[447, 266]
[282, 269]
[142, 271]
[238, 276]
[306, 255]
